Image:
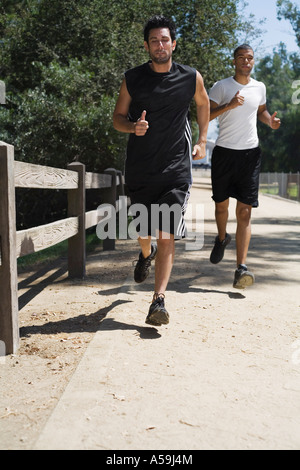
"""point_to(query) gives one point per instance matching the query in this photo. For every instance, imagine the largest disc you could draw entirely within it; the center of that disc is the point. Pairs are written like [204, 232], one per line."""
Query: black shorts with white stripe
[159, 208]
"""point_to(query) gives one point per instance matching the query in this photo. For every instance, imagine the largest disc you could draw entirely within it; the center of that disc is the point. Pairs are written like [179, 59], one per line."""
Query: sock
[243, 267]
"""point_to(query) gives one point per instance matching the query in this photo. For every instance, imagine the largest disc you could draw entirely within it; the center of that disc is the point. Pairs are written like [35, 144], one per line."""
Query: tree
[63, 62]
[280, 72]
[281, 148]
[291, 12]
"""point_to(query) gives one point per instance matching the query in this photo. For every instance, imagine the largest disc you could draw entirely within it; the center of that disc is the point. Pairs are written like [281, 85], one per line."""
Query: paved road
[224, 374]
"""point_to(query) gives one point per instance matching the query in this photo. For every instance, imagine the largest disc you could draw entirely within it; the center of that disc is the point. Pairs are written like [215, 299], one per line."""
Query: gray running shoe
[219, 248]
[143, 266]
[243, 278]
[158, 314]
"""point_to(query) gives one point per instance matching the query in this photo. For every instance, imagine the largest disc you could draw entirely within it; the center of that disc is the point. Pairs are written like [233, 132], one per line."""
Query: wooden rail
[14, 244]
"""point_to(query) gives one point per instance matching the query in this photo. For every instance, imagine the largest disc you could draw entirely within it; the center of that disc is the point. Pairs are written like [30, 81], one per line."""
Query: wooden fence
[14, 244]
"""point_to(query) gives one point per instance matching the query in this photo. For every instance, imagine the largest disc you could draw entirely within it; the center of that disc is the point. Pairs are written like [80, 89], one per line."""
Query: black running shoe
[219, 248]
[158, 315]
[243, 278]
[143, 266]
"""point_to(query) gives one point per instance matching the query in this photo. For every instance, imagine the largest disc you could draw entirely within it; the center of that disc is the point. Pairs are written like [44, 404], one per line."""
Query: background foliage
[63, 62]
[281, 72]
[281, 148]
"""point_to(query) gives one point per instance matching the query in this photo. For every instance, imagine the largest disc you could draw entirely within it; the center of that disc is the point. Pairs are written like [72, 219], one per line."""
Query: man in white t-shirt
[238, 102]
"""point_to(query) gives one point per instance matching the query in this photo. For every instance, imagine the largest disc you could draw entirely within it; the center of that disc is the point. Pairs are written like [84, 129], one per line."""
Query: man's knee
[243, 213]
[164, 237]
[222, 207]
[165, 241]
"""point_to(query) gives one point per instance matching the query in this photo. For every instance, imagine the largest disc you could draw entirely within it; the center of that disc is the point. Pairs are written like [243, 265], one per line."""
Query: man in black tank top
[153, 107]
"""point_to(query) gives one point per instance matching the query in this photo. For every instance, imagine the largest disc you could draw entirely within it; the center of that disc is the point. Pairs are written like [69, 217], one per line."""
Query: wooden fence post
[109, 244]
[120, 188]
[76, 208]
[9, 325]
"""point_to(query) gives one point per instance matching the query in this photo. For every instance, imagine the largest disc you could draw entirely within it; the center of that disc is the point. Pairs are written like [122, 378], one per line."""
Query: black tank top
[163, 155]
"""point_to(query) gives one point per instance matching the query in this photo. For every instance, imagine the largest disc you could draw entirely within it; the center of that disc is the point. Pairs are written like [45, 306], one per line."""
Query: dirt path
[224, 374]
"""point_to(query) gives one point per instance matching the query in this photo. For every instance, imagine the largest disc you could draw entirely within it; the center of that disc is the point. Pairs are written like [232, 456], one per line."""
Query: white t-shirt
[238, 126]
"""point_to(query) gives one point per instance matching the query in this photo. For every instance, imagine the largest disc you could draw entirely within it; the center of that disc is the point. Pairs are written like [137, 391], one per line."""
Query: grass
[273, 191]
[292, 191]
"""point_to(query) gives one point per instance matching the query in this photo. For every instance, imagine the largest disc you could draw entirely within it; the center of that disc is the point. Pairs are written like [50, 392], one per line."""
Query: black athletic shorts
[157, 207]
[235, 173]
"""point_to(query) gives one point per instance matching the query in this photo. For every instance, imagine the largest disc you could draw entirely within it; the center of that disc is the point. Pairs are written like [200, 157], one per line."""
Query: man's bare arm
[120, 117]
[202, 106]
[216, 110]
[264, 116]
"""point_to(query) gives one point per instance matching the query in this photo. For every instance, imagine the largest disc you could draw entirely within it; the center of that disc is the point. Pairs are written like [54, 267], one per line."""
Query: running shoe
[158, 314]
[143, 265]
[243, 278]
[219, 248]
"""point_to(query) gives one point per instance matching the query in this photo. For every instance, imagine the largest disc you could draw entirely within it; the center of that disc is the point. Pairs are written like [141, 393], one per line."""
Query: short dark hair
[159, 21]
[241, 47]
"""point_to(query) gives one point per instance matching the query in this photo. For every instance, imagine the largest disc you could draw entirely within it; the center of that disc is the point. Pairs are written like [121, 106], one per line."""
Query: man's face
[160, 45]
[244, 61]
